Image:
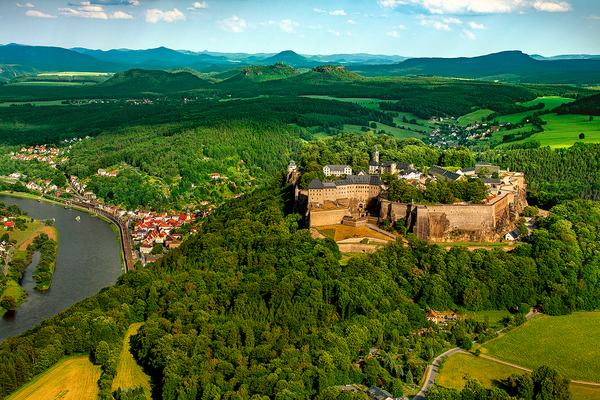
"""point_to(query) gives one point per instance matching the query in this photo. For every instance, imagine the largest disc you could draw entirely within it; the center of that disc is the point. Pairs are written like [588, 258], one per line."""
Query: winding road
[435, 365]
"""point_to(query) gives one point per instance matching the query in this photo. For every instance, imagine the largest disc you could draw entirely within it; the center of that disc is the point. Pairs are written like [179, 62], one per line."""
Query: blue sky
[420, 28]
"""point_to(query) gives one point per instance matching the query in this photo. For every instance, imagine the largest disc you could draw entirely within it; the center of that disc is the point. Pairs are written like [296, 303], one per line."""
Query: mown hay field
[129, 373]
[73, 378]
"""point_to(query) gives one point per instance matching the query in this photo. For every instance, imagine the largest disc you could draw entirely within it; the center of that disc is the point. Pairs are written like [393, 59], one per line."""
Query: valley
[298, 226]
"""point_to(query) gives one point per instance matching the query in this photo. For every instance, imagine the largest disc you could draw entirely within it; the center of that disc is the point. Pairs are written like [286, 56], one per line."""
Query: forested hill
[507, 66]
[253, 306]
[587, 106]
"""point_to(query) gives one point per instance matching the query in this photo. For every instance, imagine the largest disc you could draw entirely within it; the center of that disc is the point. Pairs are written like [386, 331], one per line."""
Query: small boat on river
[78, 218]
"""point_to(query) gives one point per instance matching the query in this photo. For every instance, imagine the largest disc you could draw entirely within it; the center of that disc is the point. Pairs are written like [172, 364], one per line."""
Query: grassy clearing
[475, 116]
[19, 235]
[344, 232]
[36, 103]
[398, 133]
[459, 366]
[550, 102]
[495, 316]
[49, 84]
[73, 378]
[567, 343]
[13, 289]
[129, 373]
[365, 102]
[76, 74]
[491, 374]
[564, 130]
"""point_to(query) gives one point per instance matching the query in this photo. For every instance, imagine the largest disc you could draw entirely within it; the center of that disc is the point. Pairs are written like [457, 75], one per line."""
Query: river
[87, 261]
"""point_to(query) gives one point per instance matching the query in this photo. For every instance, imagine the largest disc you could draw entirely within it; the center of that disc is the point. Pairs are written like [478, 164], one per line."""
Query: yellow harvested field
[48, 230]
[344, 232]
[73, 378]
[129, 373]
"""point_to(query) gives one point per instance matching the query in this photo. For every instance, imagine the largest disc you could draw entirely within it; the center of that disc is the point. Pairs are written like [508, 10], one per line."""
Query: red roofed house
[9, 224]
[432, 316]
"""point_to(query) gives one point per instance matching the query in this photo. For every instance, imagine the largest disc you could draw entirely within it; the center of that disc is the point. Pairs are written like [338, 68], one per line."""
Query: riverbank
[87, 261]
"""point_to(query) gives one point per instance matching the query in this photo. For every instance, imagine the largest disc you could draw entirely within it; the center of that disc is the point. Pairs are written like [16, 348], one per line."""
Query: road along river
[87, 261]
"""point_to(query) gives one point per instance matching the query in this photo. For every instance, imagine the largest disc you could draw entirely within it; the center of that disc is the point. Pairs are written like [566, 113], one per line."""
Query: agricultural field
[564, 130]
[550, 102]
[73, 378]
[129, 373]
[567, 343]
[19, 235]
[36, 103]
[475, 116]
[491, 374]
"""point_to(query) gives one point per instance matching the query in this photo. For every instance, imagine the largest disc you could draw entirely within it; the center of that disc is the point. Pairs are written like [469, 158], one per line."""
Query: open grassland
[341, 232]
[19, 235]
[492, 374]
[73, 378]
[567, 343]
[473, 117]
[13, 289]
[129, 373]
[58, 83]
[76, 74]
[495, 316]
[398, 133]
[550, 102]
[563, 131]
[368, 103]
[460, 365]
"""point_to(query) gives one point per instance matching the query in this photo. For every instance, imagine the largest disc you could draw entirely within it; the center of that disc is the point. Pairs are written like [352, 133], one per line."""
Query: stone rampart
[327, 217]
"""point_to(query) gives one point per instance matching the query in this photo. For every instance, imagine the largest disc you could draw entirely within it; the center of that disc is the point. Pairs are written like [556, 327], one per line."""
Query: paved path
[432, 372]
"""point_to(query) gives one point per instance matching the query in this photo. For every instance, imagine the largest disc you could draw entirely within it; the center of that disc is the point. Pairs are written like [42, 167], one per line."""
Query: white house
[337, 170]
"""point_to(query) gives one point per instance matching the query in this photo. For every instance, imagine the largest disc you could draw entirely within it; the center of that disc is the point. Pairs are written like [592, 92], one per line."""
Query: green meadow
[563, 130]
[475, 116]
[566, 343]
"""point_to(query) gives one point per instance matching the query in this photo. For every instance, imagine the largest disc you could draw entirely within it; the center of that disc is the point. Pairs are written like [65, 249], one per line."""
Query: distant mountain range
[508, 66]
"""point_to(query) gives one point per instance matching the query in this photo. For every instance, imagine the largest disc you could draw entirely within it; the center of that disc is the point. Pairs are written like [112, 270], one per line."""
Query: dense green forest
[587, 106]
[254, 308]
[568, 172]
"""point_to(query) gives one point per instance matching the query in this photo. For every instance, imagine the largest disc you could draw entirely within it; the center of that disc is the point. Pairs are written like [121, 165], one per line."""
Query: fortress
[361, 198]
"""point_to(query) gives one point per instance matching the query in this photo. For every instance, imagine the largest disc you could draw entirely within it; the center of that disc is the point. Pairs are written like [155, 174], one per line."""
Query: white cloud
[334, 32]
[120, 15]
[401, 27]
[337, 12]
[547, 6]
[452, 21]
[86, 11]
[480, 6]
[319, 11]
[28, 5]
[435, 24]
[38, 14]
[233, 24]
[197, 5]
[154, 15]
[394, 34]
[352, 22]
[316, 27]
[390, 3]
[592, 17]
[473, 25]
[287, 25]
[468, 34]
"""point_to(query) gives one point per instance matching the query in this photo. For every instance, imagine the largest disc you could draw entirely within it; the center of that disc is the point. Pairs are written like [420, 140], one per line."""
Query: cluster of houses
[103, 172]
[154, 228]
[39, 153]
[74, 140]
[46, 187]
[453, 135]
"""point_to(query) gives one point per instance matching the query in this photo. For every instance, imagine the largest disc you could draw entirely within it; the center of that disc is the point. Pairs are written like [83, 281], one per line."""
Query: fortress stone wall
[328, 217]
[458, 222]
